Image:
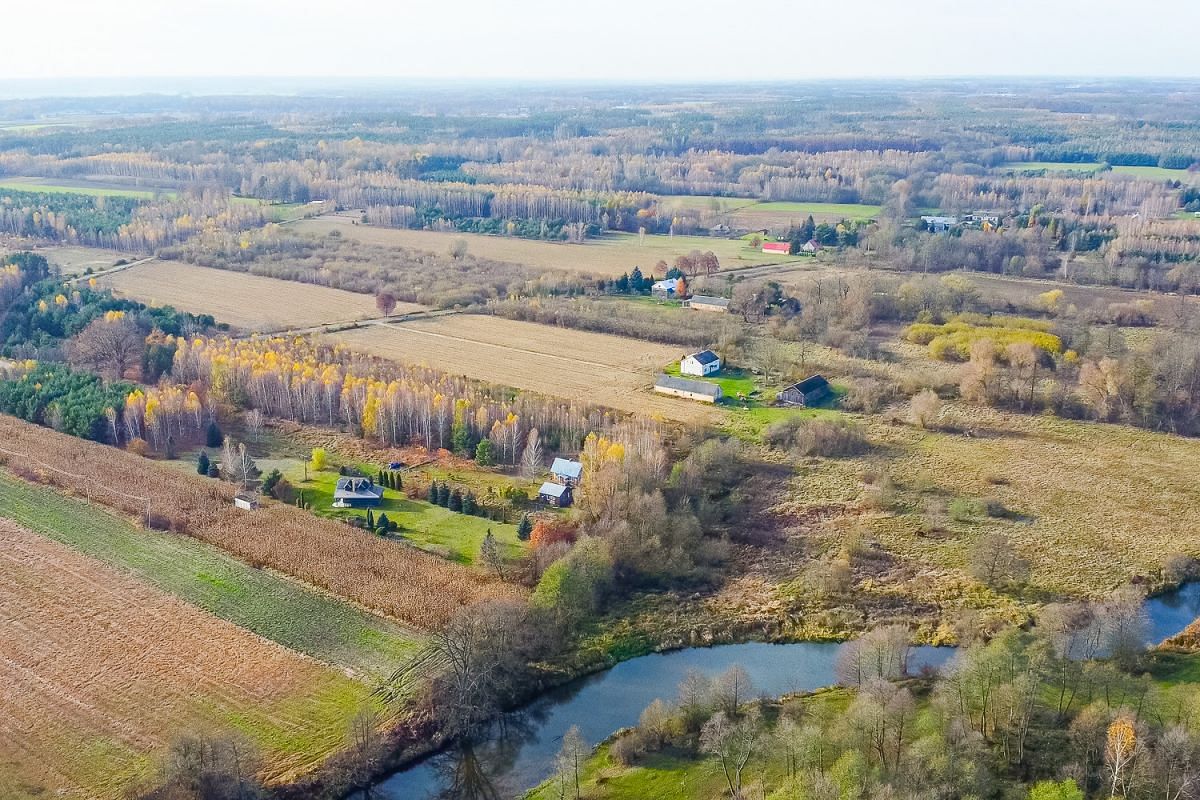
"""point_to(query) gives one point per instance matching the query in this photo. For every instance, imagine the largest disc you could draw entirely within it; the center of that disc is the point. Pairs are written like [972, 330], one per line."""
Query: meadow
[246, 302]
[576, 365]
[1092, 167]
[91, 188]
[608, 256]
[332, 631]
[101, 672]
[438, 530]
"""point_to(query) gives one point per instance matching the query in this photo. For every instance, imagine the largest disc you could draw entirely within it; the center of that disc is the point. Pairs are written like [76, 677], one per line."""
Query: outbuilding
[699, 302]
[812, 389]
[352, 492]
[555, 494]
[778, 248]
[667, 289]
[706, 362]
[692, 390]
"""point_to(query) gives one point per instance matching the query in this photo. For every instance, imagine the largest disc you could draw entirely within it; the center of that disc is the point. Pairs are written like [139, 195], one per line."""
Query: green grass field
[847, 210]
[271, 606]
[750, 206]
[439, 530]
[46, 185]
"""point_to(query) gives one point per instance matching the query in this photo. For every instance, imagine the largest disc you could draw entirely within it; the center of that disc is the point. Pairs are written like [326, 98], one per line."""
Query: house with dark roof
[706, 362]
[812, 389]
[699, 302]
[566, 472]
[352, 492]
[692, 390]
[555, 494]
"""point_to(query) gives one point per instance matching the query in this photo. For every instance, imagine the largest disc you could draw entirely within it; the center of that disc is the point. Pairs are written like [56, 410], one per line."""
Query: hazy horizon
[538, 40]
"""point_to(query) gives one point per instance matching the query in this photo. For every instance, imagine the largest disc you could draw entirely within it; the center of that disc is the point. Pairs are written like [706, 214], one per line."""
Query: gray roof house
[704, 303]
[555, 494]
[812, 389]
[692, 390]
[356, 493]
[566, 471]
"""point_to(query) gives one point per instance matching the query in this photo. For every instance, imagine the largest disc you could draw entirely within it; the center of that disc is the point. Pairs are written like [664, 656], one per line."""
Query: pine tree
[383, 524]
[525, 528]
[433, 493]
[456, 501]
[469, 506]
[483, 453]
[397, 480]
[379, 479]
[213, 436]
[443, 495]
[202, 463]
[489, 554]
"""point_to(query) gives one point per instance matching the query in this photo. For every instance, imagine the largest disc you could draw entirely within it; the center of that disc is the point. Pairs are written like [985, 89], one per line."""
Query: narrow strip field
[608, 256]
[248, 302]
[390, 577]
[304, 620]
[99, 672]
[576, 365]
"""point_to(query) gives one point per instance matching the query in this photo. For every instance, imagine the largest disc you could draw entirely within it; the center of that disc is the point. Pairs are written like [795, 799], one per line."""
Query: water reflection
[518, 751]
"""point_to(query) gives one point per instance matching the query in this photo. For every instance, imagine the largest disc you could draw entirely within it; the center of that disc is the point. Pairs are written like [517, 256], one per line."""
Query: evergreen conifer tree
[202, 463]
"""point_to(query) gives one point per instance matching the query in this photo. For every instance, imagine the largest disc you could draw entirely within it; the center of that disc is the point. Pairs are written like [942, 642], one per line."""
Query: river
[519, 752]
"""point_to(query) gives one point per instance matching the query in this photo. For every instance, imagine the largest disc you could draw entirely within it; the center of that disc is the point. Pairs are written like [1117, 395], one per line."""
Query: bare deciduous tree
[108, 346]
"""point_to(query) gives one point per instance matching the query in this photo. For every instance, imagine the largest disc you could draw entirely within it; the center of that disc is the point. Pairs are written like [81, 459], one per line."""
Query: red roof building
[777, 247]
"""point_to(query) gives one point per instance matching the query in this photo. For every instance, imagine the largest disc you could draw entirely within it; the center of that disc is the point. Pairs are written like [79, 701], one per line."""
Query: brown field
[74, 260]
[577, 365]
[608, 257]
[98, 673]
[386, 576]
[248, 302]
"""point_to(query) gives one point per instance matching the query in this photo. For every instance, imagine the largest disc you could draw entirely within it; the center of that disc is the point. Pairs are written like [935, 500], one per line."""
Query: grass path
[271, 606]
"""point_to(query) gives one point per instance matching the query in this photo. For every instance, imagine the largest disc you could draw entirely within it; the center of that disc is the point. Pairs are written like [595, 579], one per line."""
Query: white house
[939, 224]
[566, 471]
[665, 288]
[706, 362]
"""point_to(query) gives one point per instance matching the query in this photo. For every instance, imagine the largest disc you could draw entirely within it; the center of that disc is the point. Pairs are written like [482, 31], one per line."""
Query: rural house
[810, 247]
[566, 472]
[939, 224]
[706, 362]
[701, 303]
[811, 390]
[555, 494]
[692, 390]
[781, 248]
[356, 493]
[665, 288]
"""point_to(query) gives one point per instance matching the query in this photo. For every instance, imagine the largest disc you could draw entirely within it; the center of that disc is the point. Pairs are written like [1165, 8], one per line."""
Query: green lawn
[271, 606]
[733, 382]
[847, 210]
[439, 530]
[1159, 174]
[37, 185]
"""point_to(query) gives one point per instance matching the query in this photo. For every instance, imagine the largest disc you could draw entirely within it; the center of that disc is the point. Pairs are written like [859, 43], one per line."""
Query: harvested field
[333, 631]
[609, 256]
[74, 260]
[587, 367]
[386, 576]
[99, 672]
[249, 302]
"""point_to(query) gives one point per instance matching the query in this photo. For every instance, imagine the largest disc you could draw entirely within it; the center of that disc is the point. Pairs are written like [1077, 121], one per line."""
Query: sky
[650, 40]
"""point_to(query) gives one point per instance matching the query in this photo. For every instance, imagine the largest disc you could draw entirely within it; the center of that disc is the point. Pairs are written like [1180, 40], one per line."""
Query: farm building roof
[668, 285]
[776, 247]
[356, 489]
[552, 489]
[811, 383]
[699, 299]
[684, 385]
[705, 357]
[566, 468]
